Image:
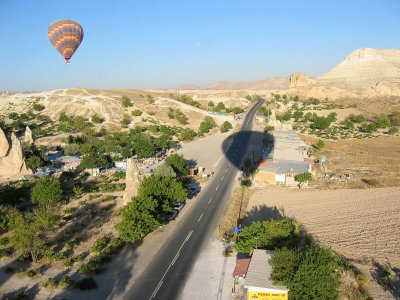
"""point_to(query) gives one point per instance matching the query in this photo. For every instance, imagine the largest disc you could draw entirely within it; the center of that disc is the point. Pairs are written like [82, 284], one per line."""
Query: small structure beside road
[286, 157]
[258, 283]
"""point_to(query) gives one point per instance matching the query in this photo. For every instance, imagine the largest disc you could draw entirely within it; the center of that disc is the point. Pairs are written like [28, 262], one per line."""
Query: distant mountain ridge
[273, 83]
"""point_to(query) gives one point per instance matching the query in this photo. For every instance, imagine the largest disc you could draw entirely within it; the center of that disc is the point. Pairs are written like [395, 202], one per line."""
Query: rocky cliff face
[364, 69]
[4, 146]
[132, 182]
[299, 79]
[12, 163]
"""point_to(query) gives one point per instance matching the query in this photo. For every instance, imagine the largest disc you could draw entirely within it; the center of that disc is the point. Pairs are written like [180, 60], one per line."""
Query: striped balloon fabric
[66, 36]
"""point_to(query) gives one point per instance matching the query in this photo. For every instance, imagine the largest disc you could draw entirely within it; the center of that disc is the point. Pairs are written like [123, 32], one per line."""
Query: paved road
[165, 276]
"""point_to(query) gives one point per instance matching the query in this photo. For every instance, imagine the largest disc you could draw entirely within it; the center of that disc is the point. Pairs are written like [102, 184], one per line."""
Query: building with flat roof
[286, 156]
[258, 284]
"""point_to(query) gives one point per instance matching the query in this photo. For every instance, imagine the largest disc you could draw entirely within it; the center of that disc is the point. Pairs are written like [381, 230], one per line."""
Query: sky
[163, 43]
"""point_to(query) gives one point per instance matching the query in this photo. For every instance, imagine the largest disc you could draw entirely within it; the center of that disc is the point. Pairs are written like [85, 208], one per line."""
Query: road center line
[226, 171]
[156, 290]
[200, 217]
[217, 187]
[187, 238]
[175, 258]
[222, 178]
[209, 201]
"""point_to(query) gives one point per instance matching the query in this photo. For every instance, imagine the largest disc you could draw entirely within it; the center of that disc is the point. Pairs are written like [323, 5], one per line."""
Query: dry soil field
[358, 223]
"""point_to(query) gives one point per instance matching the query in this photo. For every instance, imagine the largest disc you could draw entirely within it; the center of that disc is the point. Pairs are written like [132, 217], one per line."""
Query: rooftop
[241, 267]
[259, 272]
[285, 166]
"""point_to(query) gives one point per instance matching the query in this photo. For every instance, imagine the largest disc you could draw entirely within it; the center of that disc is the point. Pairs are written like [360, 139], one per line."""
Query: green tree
[34, 162]
[165, 191]
[226, 126]
[285, 262]
[265, 235]
[321, 123]
[316, 276]
[210, 103]
[71, 149]
[164, 141]
[126, 102]
[382, 122]
[143, 146]
[181, 117]
[137, 219]
[303, 177]
[95, 160]
[220, 106]
[178, 164]
[46, 191]
[187, 134]
[165, 170]
[30, 231]
[207, 124]
[268, 128]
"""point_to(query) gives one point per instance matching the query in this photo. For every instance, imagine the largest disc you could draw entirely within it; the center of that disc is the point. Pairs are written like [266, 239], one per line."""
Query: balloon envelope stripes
[66, 36]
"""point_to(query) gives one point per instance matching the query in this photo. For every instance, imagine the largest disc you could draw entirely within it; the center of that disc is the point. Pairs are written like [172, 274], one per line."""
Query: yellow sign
[267, 296]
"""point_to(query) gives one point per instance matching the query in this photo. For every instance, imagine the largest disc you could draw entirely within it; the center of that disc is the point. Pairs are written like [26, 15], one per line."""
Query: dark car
[171, 215]
[193, 190]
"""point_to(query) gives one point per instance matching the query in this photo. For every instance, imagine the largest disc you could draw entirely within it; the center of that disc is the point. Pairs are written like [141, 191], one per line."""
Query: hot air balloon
[66, 36]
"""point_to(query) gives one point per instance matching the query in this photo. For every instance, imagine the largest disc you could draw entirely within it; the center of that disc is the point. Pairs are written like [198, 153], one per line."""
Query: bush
[356, 118]
[38, 107]
[206, 125]
[187, 134]
[210, 103]
[382, 122]
[125, 122]
[46, 191]
[303, 177]
[321, 123]
[71, 149]
[226, 126]
[393, 130]
[320, 144]
[100, 244]
[136, 113]
[267, 129]
[97, 119]
[4, 241]
[126, 102]
[178, 164]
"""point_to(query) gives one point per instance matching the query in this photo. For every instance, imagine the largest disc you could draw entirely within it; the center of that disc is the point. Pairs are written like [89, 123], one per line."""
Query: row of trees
[145, 212]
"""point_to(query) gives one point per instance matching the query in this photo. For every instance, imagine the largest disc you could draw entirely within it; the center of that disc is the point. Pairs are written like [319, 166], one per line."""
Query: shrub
[126, 102]
[100, 244]
[206, 125]
[181, 117]
[31, 273]
[321, 123]
[38, 107]
[393, 130]
[268, 128]
[357, 118]
[150, 99]
[210, 103]
[226, 126]
[136, 113]
[4, 241]
[46, 191]
[303, 177]
[86, 284]
[382, 122]
[71, 149]
[320, 144]
[125, 122]
[187, 134]
[97, 119]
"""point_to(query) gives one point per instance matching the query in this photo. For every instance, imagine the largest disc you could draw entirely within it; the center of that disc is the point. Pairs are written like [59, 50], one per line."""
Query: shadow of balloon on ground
[247, 144]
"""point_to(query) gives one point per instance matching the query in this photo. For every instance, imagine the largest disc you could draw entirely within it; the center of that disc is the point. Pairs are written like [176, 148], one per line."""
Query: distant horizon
[166, 44]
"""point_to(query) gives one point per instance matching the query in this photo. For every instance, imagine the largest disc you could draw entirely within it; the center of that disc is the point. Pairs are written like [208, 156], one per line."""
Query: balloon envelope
[66, 36]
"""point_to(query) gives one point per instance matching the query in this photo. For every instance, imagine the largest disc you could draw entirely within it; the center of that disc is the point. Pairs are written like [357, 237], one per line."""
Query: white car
[178, 206]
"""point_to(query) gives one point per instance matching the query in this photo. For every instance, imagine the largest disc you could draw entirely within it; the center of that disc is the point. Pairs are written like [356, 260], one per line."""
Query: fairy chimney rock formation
[28, 136]
[3, 144]
[299, 79]
[13, 163]
[132, 181]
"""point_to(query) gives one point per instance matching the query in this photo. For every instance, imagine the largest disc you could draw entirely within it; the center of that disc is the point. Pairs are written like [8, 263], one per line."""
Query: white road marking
[217, 187]
[175, 258]
[156, 290]
[226, 171]
[170, 265]
[230, 165]
[188, 237]
[209, 201]
[222, 178]
[200, 217]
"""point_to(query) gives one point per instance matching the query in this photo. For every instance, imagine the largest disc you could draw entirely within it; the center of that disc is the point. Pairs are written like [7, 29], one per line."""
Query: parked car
[193, 190]
[178, 206]
[171, 215]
